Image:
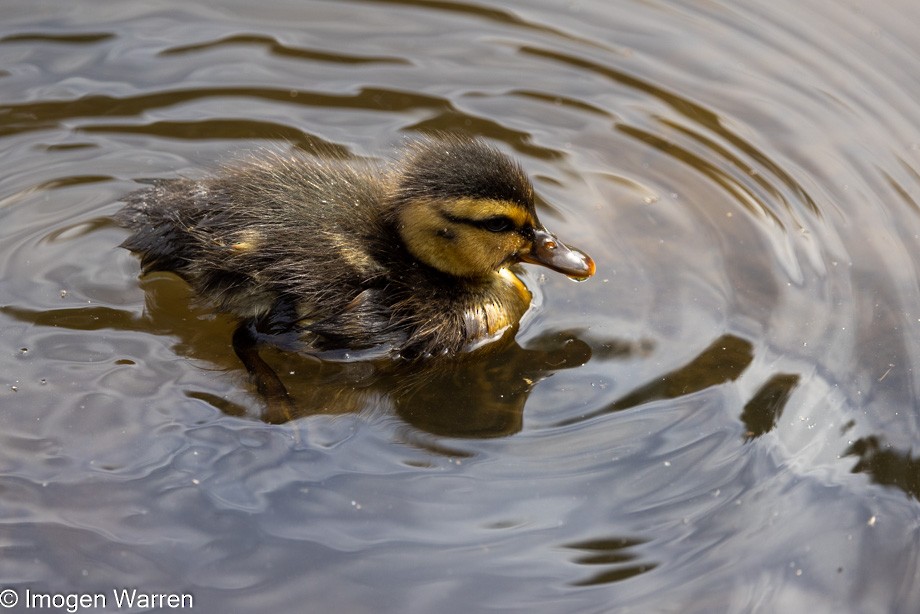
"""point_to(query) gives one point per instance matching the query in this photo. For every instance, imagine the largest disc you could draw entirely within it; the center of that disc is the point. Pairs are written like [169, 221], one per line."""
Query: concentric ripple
[724, 419]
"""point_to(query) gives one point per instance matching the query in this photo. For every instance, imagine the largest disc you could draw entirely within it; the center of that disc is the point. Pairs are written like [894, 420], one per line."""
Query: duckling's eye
[499, 223]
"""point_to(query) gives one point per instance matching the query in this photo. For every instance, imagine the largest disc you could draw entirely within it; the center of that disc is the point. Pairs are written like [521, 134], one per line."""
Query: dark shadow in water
[558, 100]
[448, 120]
[243, 129]
[26, 117]
[18, 118]
[86, 38]
[77, 318]
[615, 555]
[492, 14]
[763, 411]
[723, 361]
[280, 50]
[885, 465]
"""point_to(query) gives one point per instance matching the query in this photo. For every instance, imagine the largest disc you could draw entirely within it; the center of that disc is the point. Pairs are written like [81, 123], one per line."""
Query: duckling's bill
[548, 251]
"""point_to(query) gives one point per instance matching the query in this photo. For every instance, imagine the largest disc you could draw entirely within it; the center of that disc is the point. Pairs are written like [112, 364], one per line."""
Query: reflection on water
[469, 397]
[724, 419]
[723, 361]
[280, 50]
[766, 407]
[614, 556]
[886, 466]
[484, 397]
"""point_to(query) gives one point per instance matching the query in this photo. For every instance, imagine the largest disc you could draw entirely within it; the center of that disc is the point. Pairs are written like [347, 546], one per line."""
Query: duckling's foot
[280, 406]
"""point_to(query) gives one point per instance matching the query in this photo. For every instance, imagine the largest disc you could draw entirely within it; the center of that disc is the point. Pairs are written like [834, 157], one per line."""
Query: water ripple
[84, 38]
[276, 48]
[724, 419]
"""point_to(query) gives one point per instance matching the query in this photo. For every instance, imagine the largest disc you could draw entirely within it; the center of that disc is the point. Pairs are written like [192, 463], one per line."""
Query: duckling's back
[248, 238]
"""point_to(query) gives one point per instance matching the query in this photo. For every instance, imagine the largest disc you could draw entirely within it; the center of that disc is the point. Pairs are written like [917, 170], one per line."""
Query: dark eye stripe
[498, 223]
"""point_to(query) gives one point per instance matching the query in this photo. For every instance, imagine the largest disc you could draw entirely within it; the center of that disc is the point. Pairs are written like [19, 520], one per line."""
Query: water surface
[723, 419]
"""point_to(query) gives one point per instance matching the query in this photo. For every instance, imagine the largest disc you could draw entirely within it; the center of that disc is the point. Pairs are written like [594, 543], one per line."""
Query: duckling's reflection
[485, 397]
[477, 395]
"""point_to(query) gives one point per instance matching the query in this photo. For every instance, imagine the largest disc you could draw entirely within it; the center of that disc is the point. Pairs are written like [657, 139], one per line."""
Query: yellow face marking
[450, 237]
[480, 209]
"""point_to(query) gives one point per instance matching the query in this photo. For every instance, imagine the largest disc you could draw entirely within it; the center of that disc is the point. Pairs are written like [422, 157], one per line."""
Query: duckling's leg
[268, 384]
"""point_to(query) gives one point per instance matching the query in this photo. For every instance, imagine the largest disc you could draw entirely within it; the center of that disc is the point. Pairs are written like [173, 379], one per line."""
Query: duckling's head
[467, 210]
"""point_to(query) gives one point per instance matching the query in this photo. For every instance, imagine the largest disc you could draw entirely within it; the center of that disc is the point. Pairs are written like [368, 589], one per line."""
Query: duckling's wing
[365, 322]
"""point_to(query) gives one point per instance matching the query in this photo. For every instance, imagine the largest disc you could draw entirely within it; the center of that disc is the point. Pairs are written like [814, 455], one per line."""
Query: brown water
[724, 419]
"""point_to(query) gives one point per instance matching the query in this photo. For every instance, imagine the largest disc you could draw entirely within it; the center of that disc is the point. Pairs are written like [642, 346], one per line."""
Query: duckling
[412, 260]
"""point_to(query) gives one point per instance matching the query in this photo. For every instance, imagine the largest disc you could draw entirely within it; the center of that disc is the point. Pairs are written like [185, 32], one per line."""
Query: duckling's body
[412, 260]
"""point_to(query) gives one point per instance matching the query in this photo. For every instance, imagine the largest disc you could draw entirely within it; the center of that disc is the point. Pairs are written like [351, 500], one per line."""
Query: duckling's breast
[496, 310]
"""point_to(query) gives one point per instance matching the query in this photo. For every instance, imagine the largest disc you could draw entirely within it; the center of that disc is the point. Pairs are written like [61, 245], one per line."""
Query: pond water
[723, 419]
